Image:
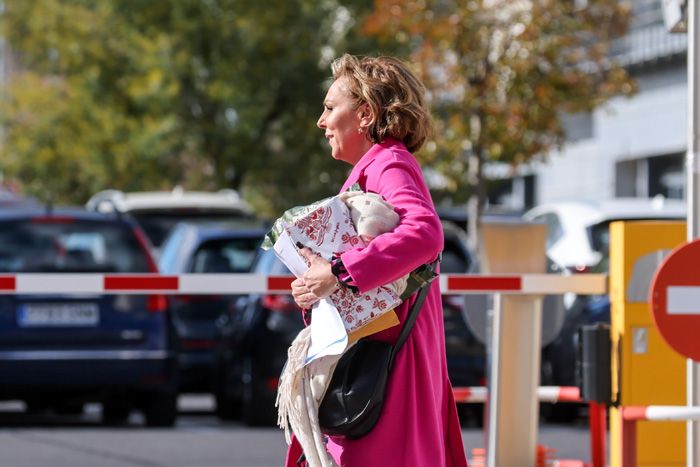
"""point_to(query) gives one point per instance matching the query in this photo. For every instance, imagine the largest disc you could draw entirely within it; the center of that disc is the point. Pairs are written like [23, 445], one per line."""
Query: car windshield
[58, 245]
[599, 237]
[267, 262]
[227, 255]
[157, 225]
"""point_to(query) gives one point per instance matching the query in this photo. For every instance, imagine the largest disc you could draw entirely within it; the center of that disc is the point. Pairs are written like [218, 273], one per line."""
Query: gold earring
[360, 131]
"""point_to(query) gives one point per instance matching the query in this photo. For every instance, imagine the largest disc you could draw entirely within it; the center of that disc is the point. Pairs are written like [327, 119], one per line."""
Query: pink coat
[419, 424]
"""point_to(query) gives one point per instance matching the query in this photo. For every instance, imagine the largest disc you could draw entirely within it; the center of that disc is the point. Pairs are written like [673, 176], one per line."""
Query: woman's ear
[365, 114]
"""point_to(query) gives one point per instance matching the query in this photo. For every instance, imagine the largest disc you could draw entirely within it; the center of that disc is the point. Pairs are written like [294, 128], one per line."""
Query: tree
[145, 95]
[502, 73]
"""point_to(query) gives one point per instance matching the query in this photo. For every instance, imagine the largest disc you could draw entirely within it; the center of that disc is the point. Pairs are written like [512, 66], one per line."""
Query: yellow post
[645, 370]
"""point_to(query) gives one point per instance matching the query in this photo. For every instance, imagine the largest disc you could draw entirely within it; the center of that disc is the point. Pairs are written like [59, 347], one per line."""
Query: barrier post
[598, 429]
[516, 331]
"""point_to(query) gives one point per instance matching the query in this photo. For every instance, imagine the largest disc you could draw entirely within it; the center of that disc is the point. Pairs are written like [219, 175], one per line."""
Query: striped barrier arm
[193, 284]
[660, 413]
[476, 394]
[630, 415]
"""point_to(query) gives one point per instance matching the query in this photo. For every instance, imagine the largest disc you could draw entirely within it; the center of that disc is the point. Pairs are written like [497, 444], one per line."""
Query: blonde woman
[374, 118]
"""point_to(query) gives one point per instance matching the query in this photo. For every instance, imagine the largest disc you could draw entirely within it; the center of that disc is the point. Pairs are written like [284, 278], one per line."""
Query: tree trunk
[477, 197]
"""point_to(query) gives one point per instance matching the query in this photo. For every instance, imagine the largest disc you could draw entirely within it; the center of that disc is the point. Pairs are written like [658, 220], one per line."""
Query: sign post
[693, 199]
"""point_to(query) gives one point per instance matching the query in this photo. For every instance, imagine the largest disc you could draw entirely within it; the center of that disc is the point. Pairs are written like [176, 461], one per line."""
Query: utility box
[593, 363]
[645, 370]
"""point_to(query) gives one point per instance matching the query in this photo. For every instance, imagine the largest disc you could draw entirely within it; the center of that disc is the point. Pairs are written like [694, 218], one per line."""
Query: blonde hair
[395, 95]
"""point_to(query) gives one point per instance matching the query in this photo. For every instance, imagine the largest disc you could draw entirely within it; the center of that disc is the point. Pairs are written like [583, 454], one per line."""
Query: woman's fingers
[318, 278]
[306, 300]
[302, 295]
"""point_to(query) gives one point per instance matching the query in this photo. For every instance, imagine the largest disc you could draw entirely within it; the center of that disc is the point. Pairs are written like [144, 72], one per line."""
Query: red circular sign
[675, 299]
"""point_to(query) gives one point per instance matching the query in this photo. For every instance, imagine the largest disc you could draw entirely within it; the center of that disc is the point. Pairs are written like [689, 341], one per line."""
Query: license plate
[58, 314]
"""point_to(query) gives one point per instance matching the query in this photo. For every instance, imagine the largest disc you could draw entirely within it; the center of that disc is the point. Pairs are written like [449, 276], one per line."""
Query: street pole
[693, 211]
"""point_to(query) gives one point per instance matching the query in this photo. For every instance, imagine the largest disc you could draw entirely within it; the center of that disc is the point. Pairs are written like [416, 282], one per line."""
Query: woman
[374, 117]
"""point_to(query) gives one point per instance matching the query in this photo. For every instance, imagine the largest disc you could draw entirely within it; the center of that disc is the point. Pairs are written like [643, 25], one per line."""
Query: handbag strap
[411, 317]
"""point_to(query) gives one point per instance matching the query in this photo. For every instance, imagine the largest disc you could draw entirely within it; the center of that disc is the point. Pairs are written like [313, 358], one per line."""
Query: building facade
[631, 146]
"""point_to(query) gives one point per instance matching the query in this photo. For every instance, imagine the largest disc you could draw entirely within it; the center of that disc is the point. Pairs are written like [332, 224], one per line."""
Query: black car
[59, 351]
[466, 355]
[213, 248]
[258, 329]
[253, 340]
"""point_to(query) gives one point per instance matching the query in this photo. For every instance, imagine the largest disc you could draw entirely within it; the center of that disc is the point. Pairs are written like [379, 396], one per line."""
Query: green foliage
[208, 94]
[145, 95]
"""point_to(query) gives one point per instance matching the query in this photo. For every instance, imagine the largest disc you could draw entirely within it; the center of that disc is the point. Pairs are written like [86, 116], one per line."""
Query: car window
[168, 257]
[454, 258]
[71, 246]
[554, 228]
[266, 262]
[157, 225]
[225, 256]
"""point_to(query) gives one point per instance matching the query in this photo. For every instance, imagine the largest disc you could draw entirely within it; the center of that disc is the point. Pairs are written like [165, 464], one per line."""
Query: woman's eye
[328, 108]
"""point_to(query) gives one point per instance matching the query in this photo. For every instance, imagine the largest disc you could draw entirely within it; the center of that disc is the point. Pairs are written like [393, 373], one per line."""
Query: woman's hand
[318, 279]
[302, 295]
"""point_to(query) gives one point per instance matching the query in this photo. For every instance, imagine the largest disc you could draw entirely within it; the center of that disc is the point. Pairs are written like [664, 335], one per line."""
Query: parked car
[258, 329]
[466, 355]
[254, 336]
[204, 248]
[12, 199]
[60, 351]
[578, 242]
[159, 211]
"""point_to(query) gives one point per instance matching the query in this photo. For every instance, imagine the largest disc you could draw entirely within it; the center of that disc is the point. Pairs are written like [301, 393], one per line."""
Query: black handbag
[353, 400]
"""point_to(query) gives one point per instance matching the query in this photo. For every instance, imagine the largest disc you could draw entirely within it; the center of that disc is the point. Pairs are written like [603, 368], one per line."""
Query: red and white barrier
[475, 394]
[524, 283]
[193, 284]
[630, 415]
[660, 413]
[190, 284]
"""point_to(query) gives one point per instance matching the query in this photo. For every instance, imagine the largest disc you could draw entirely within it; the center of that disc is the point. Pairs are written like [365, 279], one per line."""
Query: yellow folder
[385, 321]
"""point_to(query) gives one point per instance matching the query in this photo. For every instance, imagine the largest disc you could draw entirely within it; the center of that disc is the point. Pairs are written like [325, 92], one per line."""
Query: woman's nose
[321, 123]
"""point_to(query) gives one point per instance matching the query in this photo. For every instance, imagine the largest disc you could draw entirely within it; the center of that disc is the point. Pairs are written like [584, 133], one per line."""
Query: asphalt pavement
[198, 440]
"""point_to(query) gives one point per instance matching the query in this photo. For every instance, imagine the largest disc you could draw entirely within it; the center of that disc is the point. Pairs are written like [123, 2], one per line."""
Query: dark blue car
[59, 351]
[209, 248]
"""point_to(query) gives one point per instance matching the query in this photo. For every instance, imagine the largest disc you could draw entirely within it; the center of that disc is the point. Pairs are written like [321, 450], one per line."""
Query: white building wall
[653, 122]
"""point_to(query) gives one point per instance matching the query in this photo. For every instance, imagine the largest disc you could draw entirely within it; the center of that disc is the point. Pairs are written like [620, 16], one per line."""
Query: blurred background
[175, 130]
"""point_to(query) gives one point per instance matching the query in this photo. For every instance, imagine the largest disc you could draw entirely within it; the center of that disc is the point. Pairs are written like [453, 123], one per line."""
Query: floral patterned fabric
[327, 228]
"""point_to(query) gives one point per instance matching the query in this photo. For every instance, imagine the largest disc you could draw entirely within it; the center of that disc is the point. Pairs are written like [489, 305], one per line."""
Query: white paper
[328, 335]
[289, 255]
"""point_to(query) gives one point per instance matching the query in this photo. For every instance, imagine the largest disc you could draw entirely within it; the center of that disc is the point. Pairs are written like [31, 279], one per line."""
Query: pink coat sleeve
[417, 239]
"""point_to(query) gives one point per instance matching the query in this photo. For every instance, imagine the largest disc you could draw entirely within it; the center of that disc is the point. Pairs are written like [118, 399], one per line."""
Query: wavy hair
[395, 95]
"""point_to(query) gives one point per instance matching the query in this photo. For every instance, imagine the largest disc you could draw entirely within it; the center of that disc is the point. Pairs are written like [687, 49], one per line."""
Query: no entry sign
[675, 299]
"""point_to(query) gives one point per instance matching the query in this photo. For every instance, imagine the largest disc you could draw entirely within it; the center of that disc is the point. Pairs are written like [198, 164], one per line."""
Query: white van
[159, 211]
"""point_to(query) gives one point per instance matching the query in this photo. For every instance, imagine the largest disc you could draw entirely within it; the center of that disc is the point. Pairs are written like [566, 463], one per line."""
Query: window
[225, 256]
[554, 229]
[78, 246]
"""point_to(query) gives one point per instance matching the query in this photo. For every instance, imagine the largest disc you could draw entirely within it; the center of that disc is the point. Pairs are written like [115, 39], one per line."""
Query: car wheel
[161, 409]
[115, 411]
[258, 408]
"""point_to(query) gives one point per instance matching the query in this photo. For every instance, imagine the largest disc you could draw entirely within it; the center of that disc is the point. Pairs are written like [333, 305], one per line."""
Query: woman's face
[344, 124]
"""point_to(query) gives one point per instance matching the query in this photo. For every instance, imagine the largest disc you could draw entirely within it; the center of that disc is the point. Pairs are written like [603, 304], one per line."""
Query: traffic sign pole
[693, 211]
